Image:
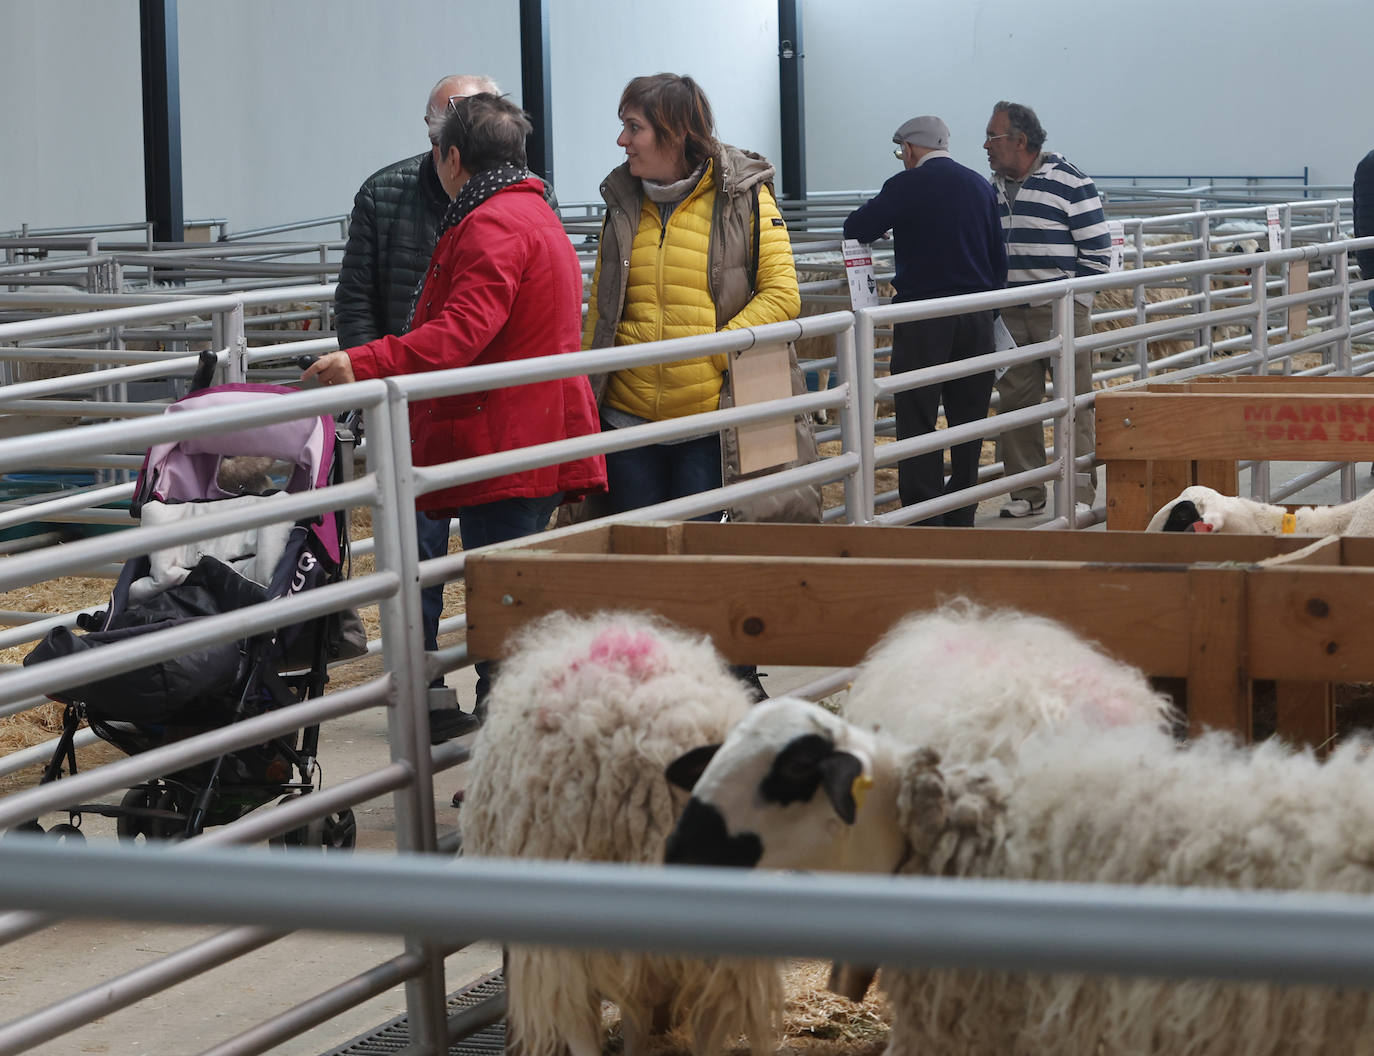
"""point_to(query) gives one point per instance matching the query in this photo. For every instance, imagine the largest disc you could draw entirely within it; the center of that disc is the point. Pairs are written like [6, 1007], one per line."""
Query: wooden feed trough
[1199, 607]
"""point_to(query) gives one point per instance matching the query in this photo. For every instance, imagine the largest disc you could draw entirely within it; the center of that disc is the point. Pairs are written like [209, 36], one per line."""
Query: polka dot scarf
[477, 190]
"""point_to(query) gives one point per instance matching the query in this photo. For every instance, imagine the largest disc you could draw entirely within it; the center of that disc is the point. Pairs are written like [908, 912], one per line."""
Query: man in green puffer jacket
[391, 232]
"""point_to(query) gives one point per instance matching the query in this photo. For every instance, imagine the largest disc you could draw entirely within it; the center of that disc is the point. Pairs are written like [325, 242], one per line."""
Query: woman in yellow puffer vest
[677, 259]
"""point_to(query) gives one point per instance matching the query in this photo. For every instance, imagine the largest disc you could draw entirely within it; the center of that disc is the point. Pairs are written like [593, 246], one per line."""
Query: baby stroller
[227, 681]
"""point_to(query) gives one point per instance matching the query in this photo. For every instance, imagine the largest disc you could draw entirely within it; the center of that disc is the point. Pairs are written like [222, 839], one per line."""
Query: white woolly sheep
[1201, 509]
[1075, 800]
[584, 716]
[973, 683]
[967, 682]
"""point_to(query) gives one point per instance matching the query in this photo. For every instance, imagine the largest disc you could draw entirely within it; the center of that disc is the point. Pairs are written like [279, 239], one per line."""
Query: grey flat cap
[927, 131]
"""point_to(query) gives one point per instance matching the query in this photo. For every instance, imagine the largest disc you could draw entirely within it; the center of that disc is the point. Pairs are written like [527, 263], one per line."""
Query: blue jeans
[498, 522]
[431, 536]
[644, 476]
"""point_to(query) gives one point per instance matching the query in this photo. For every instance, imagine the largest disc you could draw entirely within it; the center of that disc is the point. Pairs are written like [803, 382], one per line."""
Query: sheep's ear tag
[1290, 524]
[858, 791]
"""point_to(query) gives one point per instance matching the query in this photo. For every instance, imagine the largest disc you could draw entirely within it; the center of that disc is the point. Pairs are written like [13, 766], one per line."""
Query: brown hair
[677, 110]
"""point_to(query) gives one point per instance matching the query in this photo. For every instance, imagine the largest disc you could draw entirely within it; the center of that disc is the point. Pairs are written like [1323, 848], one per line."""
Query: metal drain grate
[394, 1036]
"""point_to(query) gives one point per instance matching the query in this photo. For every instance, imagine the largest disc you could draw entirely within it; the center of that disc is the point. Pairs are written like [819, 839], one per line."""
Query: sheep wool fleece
[974, 683]
[1128, 806]
[584, 717]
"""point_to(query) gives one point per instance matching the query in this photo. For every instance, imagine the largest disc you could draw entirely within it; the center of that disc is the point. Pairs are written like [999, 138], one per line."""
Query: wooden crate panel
[1235, 425]
[1201, 607]
[778, 610]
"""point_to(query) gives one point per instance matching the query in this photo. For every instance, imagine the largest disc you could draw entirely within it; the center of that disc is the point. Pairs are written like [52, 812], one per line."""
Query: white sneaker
[1022, 508]
[1081, 510]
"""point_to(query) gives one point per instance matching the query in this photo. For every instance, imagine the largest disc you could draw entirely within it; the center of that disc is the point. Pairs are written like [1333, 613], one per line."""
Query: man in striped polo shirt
[1053, 221]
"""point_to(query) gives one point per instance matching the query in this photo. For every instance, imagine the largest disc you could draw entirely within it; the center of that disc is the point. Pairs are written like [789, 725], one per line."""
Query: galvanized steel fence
[192, 882]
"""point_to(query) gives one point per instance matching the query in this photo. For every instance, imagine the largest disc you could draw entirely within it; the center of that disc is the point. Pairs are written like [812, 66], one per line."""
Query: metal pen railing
[389, 486]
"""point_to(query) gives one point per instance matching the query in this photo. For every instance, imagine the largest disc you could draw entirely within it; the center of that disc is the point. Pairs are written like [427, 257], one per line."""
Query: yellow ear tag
[1290, 524]
[859, 789]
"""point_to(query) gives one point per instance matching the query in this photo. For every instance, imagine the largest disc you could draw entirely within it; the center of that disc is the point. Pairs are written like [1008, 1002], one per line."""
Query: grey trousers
[1023, 385]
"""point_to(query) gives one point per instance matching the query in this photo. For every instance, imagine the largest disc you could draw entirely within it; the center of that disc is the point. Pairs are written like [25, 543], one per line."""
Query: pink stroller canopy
[185, 470]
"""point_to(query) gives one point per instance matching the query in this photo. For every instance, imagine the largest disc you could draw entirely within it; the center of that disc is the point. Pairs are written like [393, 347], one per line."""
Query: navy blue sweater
[1364, 211]
[947, 235]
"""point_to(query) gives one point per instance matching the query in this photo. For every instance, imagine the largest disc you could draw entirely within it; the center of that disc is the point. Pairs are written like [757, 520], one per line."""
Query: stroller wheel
[28, 828]
[65, 833]
[336, 832]
[340, 831]
[136, 823]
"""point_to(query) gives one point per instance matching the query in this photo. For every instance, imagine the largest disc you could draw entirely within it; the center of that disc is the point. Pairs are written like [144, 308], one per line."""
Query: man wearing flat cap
[947, 240]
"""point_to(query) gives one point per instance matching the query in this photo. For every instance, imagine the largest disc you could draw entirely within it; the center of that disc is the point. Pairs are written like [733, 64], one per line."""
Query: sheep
[987, 680]
[1201, 509]
[584, 715]
[968, 682]
[1075, 798]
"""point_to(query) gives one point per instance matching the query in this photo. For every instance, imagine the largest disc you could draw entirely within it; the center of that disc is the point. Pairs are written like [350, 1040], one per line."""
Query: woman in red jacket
[503, 284]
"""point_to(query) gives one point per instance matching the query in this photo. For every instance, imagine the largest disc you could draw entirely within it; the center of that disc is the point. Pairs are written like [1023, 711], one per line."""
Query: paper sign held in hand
[757, 375]
[858, 265]
[1116, 233]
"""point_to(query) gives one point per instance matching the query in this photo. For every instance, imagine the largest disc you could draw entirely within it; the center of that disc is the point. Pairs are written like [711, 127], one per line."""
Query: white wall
[1221, 87]
[69, 79]
[288, 104]
[597, 46]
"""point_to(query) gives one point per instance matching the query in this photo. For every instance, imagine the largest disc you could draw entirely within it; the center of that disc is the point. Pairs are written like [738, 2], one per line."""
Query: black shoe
[750, 677]
[447, 723]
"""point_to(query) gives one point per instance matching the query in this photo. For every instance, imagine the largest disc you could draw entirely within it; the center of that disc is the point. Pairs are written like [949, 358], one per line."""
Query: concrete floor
[70, 956]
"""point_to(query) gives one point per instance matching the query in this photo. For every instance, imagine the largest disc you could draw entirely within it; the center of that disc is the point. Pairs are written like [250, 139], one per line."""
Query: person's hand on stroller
[335, 368]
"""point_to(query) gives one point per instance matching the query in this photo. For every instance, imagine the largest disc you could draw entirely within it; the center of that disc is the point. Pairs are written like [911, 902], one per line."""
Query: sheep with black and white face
[800, 775]
[1075, 794]
[1201, 509]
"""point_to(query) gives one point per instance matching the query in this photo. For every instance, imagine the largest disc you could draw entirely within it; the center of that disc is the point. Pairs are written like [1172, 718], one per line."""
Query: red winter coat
[504, 284]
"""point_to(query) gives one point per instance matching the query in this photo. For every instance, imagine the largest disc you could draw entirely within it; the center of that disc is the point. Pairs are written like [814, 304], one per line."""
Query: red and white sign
[1116, 231]
[858, 265]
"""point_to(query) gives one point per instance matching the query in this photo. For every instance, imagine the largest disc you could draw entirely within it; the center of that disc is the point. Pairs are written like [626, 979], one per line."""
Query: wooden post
[1217, 474]
[1306, 713]
[1128, 496]
[1218, 685]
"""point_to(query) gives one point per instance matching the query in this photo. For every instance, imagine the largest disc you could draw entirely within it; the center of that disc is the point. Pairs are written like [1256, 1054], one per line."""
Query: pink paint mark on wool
[1098, 701]
[1117, 711]
[635, 653]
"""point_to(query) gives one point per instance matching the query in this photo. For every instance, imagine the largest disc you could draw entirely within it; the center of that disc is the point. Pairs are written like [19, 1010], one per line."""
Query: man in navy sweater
[947, 240]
